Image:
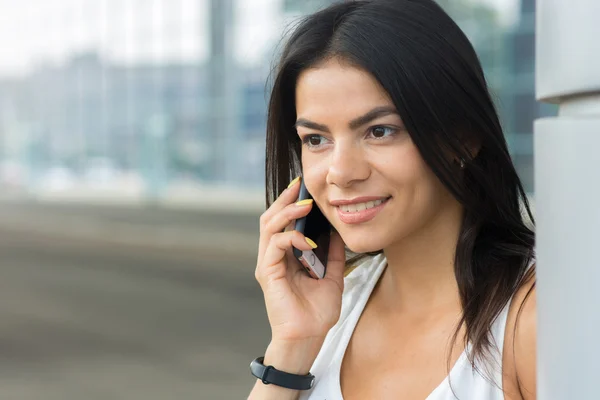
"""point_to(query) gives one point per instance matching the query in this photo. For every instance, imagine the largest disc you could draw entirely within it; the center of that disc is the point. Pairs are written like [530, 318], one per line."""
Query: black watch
[269, 375]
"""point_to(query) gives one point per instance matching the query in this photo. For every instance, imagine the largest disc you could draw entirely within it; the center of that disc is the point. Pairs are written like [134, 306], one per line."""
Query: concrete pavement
[183, 229]
[128, 301]
[97, 320]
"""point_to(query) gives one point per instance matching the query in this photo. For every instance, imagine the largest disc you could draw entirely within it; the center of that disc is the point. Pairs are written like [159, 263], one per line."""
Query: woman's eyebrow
[375, 113]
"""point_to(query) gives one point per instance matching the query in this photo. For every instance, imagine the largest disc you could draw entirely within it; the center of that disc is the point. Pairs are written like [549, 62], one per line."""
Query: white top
[358, 285]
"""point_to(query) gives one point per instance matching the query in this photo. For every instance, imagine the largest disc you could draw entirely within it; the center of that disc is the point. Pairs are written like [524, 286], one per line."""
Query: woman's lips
[357, 217]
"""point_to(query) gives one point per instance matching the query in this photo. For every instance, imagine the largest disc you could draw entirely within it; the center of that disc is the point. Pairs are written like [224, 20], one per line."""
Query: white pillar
[567, 193]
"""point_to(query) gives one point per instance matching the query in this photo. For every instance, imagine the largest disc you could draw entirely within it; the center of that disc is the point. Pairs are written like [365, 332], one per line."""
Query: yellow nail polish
[312, 244]
[292, 183]
[304, 202]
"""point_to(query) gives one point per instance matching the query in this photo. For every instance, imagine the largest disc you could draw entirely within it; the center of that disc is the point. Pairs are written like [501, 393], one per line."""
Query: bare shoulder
[519, 355]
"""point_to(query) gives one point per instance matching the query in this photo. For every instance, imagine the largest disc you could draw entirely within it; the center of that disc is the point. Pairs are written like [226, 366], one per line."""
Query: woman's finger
[288, 216]
[287, 197]
[280, 222]
[290, 226]
[276, 251]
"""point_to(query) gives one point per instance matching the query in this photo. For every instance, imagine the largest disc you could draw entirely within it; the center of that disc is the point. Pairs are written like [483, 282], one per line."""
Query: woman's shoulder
[519, 360]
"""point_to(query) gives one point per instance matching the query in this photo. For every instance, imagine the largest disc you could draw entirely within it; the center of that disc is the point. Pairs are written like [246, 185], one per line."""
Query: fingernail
[304, 202]
[292, 183]
[312, 244]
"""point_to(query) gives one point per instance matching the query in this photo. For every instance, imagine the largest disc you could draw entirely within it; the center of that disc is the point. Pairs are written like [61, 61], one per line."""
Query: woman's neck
[419, 278]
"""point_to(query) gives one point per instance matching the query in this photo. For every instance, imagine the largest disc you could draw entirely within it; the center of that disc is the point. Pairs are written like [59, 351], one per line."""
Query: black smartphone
[317, 228]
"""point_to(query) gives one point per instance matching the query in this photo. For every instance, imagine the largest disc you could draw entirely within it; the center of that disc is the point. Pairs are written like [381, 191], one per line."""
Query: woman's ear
[472, 145]
[462, 148]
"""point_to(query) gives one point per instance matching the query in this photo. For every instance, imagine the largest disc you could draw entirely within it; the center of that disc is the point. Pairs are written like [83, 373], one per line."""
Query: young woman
[383, 109]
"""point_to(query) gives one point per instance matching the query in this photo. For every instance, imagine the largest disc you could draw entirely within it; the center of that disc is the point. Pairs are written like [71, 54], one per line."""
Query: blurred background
[131, 181]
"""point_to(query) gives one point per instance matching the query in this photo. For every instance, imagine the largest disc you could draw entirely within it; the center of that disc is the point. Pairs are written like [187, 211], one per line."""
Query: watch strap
[271, 375]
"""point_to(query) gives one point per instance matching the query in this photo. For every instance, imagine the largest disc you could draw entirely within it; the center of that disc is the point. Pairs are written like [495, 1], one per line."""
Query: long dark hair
[433, 76]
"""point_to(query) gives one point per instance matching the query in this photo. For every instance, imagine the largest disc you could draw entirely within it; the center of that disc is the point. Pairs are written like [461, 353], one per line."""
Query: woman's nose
[347, 165]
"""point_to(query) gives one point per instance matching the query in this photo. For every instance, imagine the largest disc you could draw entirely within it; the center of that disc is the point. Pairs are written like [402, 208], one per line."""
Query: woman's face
[354, 145]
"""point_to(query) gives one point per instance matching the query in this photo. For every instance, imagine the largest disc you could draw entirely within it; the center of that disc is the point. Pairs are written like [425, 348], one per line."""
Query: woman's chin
[363, 247]
[361, 242]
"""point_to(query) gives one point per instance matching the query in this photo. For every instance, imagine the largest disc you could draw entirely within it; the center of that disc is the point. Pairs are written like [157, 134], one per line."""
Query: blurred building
[90, 109]
[302, 7]
[507, 54]
[521, 106]
[204, 120]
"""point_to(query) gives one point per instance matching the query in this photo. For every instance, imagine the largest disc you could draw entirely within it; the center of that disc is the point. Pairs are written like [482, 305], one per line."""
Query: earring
[462, 163]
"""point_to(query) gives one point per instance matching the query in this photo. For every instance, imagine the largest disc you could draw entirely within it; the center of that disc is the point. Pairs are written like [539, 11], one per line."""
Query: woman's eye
[313, 140]
[380, 132]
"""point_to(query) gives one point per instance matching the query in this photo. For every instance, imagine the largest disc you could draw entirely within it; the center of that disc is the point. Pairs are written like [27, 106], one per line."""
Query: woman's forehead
[339, 89]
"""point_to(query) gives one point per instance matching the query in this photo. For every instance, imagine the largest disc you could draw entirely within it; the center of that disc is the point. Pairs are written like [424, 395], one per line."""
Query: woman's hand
[301, 309]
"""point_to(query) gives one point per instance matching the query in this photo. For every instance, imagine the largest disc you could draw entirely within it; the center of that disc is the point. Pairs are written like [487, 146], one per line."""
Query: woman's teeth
[361, 206]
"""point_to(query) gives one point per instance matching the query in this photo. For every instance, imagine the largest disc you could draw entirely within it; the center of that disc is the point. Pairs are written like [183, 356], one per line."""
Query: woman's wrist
[294, 357]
